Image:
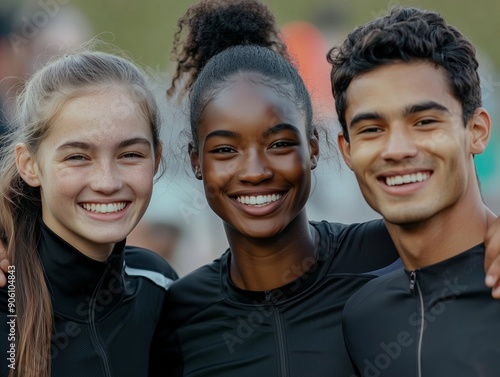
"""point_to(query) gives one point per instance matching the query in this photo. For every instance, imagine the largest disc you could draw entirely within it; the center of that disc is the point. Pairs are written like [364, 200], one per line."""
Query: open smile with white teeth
[259, 200]
[104, 208]
[398, 180]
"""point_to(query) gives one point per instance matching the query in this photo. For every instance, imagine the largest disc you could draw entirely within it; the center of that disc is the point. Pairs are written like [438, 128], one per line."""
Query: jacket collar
[286, 292]
[446, 280]
[78, 283]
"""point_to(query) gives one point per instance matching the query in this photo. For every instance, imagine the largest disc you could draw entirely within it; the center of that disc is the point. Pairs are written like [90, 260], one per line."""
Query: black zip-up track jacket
[432, 322]
[294, 331]
[106, 314]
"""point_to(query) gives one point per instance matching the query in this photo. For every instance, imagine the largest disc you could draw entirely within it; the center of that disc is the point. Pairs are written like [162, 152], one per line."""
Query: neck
[264, 264]
[444, 235]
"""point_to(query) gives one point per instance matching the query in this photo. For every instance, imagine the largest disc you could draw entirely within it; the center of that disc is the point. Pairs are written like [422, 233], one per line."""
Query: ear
[314, 149]
[27, 166]
[345, 149]
[480, 127]
[158, 156]
[195, 161]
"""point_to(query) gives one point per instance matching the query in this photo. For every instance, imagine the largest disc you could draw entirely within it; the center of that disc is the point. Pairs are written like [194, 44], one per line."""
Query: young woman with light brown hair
[77, 176]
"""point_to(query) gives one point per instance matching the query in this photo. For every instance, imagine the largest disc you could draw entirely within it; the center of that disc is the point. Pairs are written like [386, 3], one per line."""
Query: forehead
[109, 114]
[395, 86]
[250, 99]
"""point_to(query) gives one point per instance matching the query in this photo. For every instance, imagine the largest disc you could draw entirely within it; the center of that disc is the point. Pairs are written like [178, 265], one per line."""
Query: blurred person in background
[308, 44]
[10, 66]
[30, 34]
[66, 29]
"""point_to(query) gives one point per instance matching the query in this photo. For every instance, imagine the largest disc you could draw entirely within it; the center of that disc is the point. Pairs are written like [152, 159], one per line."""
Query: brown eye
[132, 155]
[282, 144]
[76, 157]
[223, 149]
[425, 122]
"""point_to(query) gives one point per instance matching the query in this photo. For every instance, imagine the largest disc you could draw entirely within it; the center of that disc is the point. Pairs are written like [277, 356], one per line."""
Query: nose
[106, 178]
[254, 167]
[399, 145]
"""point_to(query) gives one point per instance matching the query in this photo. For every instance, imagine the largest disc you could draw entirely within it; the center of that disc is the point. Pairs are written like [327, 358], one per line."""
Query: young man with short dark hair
[408, 97]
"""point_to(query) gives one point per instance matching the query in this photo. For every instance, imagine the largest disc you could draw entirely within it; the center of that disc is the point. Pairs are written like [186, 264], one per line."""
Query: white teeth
[259, 200]
[406, 178]
[104, 208]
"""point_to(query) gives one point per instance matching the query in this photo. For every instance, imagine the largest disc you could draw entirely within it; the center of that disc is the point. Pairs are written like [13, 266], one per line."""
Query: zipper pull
[268, 295]
[413, 278]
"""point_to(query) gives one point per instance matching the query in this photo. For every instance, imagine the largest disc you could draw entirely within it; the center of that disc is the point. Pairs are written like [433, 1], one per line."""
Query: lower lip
[108, 216]
[259, 211]
[404, 189]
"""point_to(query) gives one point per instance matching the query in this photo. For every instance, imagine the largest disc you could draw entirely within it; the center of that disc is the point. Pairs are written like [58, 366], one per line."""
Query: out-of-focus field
[146, 27]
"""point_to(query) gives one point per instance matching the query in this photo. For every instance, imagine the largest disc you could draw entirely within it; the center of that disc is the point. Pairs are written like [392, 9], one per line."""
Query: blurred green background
[145, 28]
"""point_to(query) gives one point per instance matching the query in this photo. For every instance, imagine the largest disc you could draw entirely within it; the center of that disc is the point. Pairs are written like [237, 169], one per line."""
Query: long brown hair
[20, 204]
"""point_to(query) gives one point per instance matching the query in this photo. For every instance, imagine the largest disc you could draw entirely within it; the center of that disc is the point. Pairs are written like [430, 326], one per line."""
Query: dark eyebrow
[222, 133]
[409, 110]
[281, 127]
[425, 106]
[87, 146]
[365, 116]
[270, 131]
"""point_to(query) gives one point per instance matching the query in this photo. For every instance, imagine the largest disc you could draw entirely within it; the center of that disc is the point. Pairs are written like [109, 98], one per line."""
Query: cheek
[216, 174]
[360, 157]
[141, 180]
[438, 142]
[62, 184]
[297, 164]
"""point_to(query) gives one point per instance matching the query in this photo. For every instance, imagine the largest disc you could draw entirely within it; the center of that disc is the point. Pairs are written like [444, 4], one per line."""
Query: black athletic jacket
[106, 313]
[433, 322]
[294, 331]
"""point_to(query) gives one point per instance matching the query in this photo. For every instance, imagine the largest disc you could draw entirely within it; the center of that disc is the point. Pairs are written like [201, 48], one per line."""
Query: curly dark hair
[213, 26]
[407, 35]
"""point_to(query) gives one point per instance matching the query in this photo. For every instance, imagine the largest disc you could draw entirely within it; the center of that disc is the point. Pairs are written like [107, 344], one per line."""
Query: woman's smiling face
[255, 157]
[95, 170]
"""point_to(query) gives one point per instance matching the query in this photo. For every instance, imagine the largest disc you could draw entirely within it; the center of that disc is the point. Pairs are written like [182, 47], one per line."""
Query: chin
[407, 216]
[261, 233]
[108, 238]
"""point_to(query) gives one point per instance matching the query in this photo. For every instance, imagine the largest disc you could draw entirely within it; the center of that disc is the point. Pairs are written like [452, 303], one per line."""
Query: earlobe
[345, 149]
[480, 131]
[27, 166]
[314, 150]
[195, 161]
[314, 162]
[158, 157]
